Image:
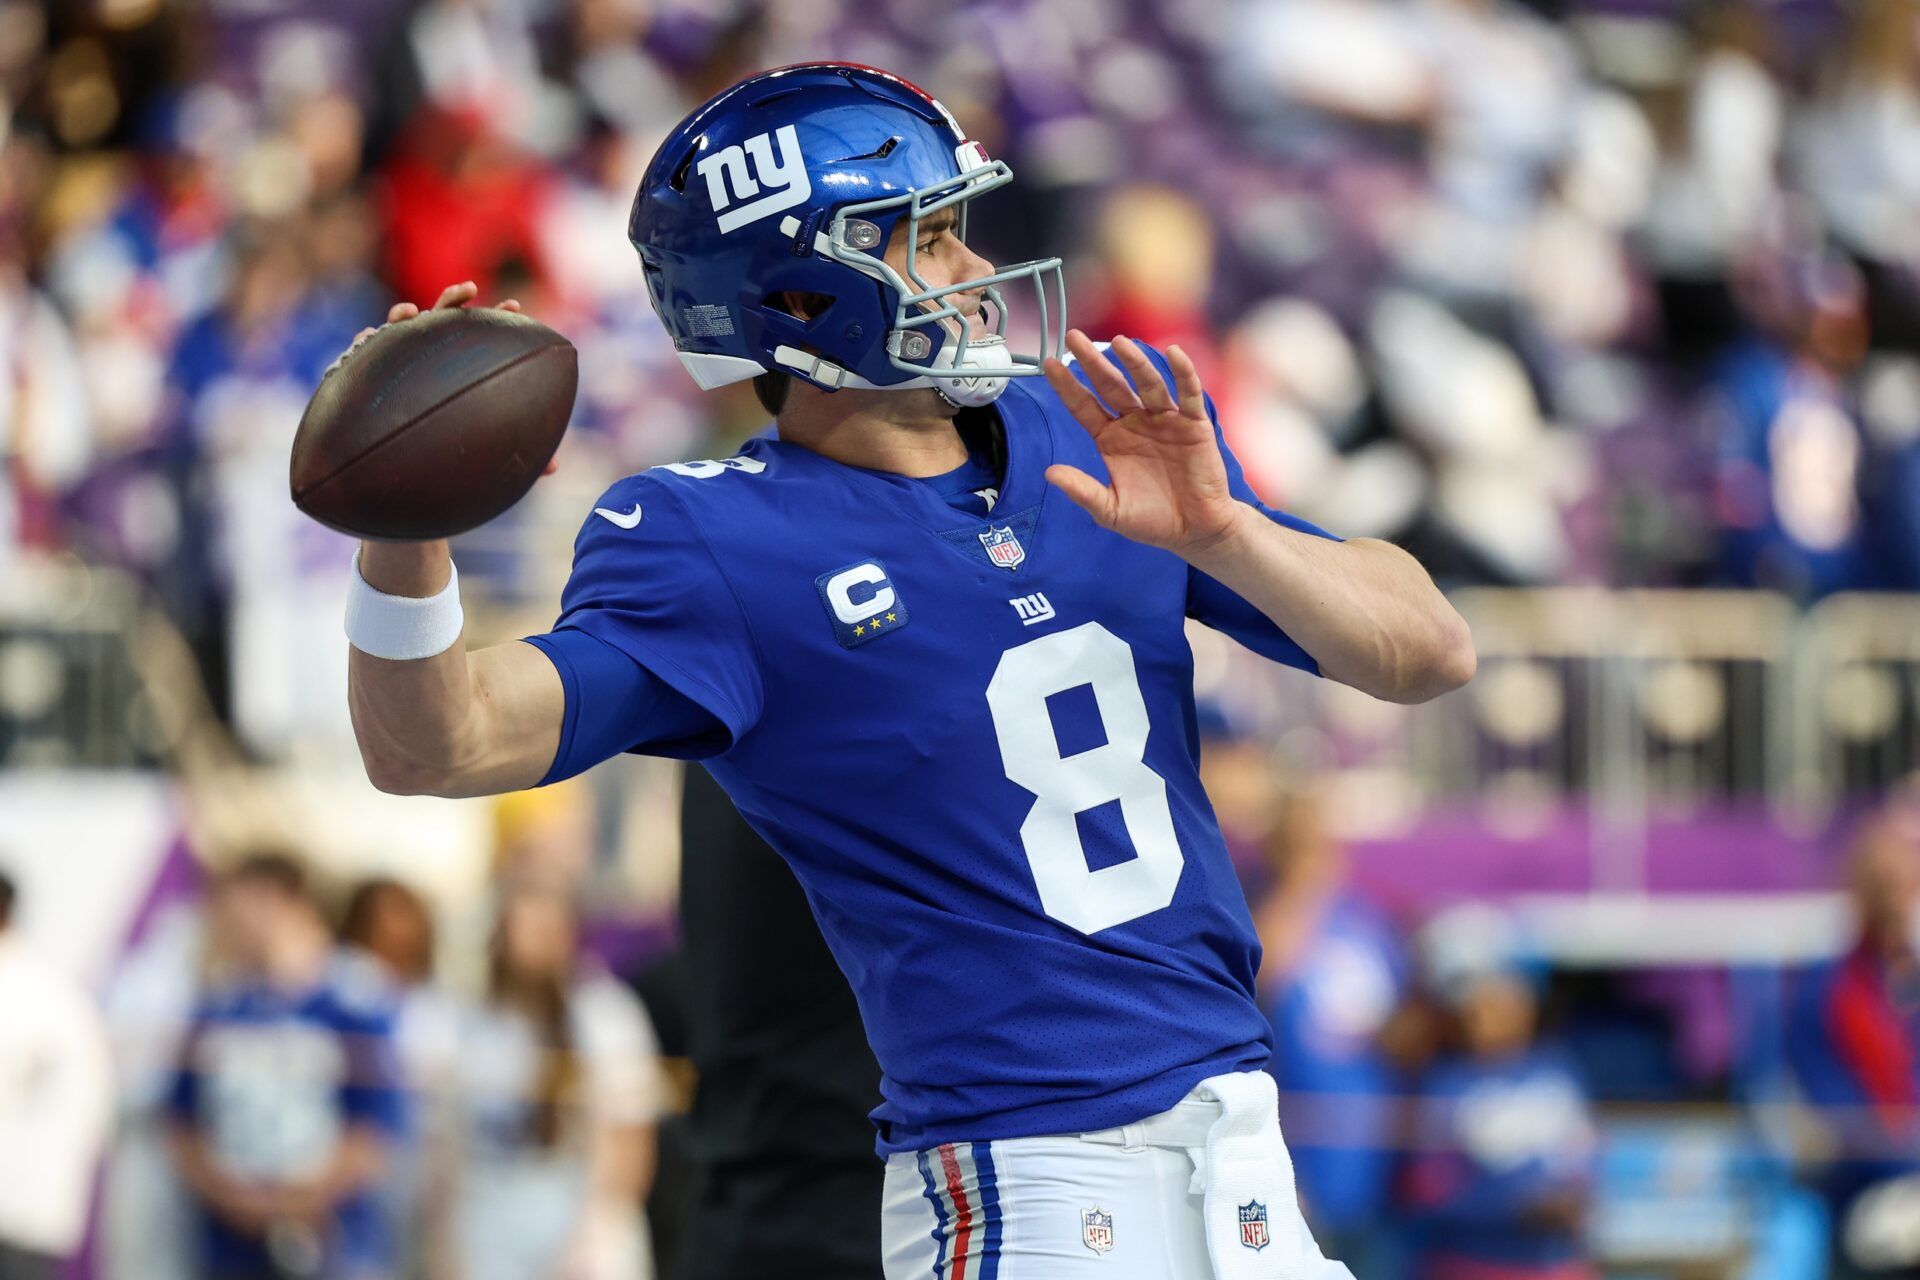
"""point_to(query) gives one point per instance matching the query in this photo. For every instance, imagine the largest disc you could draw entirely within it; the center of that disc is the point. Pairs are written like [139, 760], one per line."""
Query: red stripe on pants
[962, 1214]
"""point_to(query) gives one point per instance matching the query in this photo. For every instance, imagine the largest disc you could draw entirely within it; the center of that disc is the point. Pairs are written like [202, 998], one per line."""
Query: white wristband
[403, 628]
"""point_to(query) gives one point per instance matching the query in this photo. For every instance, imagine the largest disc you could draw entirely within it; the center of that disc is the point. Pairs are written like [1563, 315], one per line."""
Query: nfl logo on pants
[1253, 1225]
[1096, 1229]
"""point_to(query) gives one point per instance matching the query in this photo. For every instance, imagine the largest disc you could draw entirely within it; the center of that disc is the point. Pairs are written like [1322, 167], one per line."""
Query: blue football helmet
[796, 180]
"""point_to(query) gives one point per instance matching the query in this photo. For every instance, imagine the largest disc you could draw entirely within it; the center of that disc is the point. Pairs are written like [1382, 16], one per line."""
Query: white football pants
[1203, 1191]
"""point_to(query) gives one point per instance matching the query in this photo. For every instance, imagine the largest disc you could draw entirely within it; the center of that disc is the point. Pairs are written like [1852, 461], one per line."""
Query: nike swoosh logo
[626, 520]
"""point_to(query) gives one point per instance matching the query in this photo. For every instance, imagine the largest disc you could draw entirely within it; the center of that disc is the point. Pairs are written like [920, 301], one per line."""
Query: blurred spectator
[1291, 399]
[56, 1105]
[148, 1224]
[1153, 262]
[1332, 975]
[556, 1087]
[1789, 441]
[1503, 83]
[1237, 768]
[248, 566]
[457, 203]
[45, 428]
[1501, 475]
[387, 931]
[1854, 1040]
[1858, 140]
[1504, 1145]
[546, 836]
[287, 1098]
[389, 927]
[1890, 411]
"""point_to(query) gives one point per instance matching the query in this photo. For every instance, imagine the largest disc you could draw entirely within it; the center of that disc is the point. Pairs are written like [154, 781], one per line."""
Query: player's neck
[908, 433]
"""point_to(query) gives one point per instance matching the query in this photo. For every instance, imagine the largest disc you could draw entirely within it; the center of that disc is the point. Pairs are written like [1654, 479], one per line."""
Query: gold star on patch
[859, 631]
[889, 617]
[874, 623]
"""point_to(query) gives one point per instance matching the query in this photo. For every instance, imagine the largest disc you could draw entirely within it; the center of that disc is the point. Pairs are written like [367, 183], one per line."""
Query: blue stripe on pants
[932, 1191]
[989, 1210]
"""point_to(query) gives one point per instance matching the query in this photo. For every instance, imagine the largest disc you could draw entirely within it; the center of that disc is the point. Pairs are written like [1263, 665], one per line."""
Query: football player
[931, 641]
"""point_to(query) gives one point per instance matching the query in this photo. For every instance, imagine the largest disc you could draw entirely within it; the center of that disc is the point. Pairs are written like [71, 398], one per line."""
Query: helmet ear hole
[799, 303]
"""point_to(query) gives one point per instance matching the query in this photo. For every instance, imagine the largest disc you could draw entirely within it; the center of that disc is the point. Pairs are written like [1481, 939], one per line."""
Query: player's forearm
[414, 720]
[457, 723]
[1365, 610]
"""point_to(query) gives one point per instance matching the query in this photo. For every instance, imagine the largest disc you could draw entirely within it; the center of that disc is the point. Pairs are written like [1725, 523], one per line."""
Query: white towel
[1254, 1227]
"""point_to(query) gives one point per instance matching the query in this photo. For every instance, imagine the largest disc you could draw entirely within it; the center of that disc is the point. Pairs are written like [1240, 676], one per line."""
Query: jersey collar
[1029, 453]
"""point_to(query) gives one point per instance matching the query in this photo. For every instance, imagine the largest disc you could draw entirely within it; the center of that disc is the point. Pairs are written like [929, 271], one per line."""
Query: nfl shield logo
[1096, 1229]
[1003, 548]
[1253, 1225]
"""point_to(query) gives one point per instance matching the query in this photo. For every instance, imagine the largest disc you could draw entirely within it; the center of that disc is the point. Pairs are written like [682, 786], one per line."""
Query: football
[434, 425]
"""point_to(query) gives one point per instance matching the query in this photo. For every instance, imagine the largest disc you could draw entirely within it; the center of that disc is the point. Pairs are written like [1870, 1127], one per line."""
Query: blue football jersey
[973, 737]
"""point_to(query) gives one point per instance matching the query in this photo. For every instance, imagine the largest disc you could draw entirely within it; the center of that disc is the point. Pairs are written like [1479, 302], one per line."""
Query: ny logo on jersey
[739, 172]
[1032, 609]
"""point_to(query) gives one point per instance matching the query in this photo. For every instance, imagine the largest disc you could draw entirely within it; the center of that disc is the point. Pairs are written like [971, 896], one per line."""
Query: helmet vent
[884, 150]
[679, 179]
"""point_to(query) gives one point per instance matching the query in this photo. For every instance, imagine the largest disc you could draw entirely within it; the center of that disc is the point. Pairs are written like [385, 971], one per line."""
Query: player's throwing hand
[1167, 485]
[453, 297]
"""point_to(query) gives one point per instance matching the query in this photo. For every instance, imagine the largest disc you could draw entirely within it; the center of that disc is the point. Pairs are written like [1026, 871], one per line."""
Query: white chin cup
[988, 355]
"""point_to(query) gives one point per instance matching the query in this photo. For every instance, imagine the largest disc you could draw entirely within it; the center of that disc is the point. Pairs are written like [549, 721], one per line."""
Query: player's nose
[974, 266]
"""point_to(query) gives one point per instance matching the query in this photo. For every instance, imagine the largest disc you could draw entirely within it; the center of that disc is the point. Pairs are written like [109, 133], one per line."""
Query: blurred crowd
[1460, 1106]
[289, 1077]
[1582, 291]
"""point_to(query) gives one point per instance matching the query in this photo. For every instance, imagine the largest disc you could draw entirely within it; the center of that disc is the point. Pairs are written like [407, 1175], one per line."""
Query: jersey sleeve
[1215, 605]
[615, 705]
[652, 644]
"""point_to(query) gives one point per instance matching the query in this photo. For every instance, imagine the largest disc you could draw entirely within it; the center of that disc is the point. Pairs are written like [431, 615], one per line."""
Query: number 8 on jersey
[1066, 786]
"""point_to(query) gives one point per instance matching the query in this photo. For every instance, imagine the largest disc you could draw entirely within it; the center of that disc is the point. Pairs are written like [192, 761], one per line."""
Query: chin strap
[962, 390]
[817, 370]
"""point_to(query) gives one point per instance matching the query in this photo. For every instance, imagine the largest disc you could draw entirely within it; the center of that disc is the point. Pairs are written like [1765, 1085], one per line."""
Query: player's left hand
[1167, 484]
[452, 298]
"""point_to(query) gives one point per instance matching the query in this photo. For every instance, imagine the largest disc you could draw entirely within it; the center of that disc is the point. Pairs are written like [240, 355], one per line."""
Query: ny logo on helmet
[740, 172]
